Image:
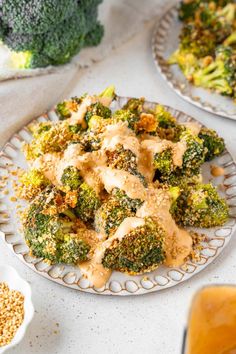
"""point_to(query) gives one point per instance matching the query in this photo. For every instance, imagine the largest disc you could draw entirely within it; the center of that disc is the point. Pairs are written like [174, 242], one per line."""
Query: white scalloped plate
[164, 42]
[119, 284]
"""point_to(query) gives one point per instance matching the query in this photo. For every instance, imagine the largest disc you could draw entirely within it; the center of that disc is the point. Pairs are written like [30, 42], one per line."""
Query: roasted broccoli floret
[66, 108]
[97, 109]
[163, 162]
[71, 178]
[87, 202]
[212, 142]
[52, 138]
[124, 159]
[194, 155]
[32, 183]
[110, 215]
[188, 8]
[112, 212]
[141, 250]
[51, 235]
[167, 128]
[135, 105]
[125, 115]
[219, 74]
[48, 33]
[200, 206]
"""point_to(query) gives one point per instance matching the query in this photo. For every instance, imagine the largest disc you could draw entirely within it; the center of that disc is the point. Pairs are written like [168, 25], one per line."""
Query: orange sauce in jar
[212, 321]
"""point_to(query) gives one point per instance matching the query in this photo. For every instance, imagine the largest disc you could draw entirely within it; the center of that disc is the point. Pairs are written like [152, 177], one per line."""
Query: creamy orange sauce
[178, 242]
[123, 180]
[156, 147]
[212, 321]
[120, 134]
[93, 269]
[194, 127]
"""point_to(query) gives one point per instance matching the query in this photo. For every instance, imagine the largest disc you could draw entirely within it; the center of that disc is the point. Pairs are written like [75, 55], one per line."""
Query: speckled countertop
[68, 321]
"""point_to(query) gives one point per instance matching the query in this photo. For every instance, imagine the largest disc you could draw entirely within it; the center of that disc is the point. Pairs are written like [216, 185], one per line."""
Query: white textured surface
[89, 324]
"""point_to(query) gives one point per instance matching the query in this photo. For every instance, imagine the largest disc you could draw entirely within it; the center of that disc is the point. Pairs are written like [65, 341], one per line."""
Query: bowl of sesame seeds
[16, 308]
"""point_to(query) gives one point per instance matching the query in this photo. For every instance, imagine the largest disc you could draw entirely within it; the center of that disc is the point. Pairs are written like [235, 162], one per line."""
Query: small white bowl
[15, 282]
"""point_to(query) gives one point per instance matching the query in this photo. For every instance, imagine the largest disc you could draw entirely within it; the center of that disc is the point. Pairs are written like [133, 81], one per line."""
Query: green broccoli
[163, 162]
[214, 144]
[219, 75]
[141, 250]
[31, 183]
[71, 178]
[65, 109]
[110, 215]
[54, 138]
[51, 33]
[135, 105]
[125, 115]
[51, 235]
[88, 202]
[194, 155]
[200, 206]
[124, 159]
[97, 109]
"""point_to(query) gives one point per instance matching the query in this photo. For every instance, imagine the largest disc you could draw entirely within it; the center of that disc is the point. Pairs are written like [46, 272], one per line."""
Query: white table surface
[89, 324]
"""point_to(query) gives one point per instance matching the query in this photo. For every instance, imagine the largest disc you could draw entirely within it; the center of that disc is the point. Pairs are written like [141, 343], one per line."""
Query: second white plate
[164, 42]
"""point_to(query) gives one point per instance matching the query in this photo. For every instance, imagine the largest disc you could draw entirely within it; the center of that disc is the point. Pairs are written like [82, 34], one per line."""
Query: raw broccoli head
[213, 142]
[36, 16]
[50, 234]
[71, 178]
[141, 250]
[97, 109]
[47, 33]
[88, 202]
[219, 75]
[200, 206]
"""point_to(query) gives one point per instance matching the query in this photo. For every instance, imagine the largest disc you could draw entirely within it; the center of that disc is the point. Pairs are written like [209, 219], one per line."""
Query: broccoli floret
[71, 178]
[66, 108]
[94, 36]
[54, 138]
[125, 115]
[194, 155]
[37, 16]
[188, 8]
[187, 62]
[73, 248]
[97, 109]
[51, 235]
[200, 206]
[219, 75]
[110, 215]
[141, 250]
[88, 202]
[44, 34]
[213, 142]
[124, 159]
[125, 201]
[167, 128]
[32, 183]
[163, 162]
[135, 105]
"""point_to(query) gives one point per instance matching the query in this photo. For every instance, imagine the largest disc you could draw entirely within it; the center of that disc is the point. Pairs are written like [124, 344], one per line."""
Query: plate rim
[137, 288]
[158, 37]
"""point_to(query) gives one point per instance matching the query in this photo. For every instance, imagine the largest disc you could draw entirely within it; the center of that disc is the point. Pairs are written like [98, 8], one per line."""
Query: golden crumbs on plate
[11, 313]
